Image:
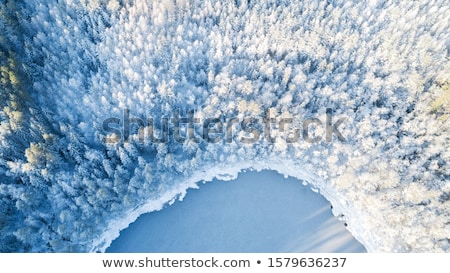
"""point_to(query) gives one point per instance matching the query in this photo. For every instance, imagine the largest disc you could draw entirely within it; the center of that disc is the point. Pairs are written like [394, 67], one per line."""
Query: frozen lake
[258, 212]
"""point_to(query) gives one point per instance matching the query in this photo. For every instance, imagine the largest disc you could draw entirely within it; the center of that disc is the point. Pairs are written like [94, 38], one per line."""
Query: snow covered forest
[66, 66]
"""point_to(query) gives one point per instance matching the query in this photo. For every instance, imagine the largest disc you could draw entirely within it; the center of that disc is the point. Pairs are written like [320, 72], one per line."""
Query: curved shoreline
[257, 212]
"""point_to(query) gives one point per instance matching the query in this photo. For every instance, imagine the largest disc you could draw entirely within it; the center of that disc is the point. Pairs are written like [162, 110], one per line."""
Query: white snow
[258, 212]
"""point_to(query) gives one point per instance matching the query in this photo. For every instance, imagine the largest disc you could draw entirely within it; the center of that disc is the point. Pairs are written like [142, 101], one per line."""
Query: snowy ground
[258, 212]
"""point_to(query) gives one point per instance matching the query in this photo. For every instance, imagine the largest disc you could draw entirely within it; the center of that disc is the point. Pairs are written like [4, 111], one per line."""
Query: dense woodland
[68, 65]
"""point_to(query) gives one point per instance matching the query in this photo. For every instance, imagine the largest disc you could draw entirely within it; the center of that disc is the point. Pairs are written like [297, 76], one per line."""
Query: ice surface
[258, 212]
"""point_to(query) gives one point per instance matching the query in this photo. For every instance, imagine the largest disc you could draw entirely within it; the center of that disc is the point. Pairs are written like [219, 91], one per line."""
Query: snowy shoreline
[224, 174]
[258, 212]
